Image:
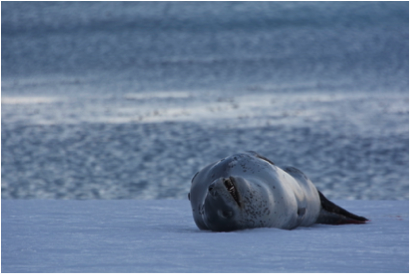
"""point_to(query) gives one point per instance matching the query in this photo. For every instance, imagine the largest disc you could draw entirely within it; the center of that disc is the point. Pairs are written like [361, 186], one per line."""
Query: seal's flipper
[335, 215]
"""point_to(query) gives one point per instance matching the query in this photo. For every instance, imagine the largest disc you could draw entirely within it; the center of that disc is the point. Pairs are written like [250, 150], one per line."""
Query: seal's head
[222, 206]
[229, 203]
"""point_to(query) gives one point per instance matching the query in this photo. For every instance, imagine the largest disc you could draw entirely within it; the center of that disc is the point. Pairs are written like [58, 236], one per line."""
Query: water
[112, 100]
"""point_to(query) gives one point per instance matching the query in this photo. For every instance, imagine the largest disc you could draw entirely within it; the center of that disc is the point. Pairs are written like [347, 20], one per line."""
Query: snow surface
[161, 236]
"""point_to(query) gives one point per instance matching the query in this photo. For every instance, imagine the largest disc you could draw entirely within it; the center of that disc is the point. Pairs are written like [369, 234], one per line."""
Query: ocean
[128, 100]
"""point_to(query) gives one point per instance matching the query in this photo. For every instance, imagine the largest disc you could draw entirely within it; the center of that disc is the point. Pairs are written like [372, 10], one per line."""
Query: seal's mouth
[229, 184]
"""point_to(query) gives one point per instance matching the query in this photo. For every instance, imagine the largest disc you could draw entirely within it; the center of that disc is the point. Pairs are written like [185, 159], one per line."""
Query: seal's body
[247, 190]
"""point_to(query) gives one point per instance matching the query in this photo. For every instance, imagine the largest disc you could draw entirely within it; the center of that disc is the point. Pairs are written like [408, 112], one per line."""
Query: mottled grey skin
[247, 190]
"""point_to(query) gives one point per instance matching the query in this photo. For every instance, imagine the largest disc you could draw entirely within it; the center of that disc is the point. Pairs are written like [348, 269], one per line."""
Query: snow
[161, 236]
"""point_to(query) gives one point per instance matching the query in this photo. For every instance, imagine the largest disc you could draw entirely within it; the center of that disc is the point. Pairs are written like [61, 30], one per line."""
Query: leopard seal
[247, 190]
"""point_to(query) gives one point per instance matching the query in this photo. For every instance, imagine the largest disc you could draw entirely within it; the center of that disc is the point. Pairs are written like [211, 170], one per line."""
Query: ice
[10, 100]
[161, 236]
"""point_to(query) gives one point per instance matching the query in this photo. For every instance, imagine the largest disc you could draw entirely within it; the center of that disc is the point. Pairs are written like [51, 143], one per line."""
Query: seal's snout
[219, 211]
[224, 185]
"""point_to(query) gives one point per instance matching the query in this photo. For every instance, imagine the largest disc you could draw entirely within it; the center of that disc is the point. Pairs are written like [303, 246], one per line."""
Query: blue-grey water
[127, 100]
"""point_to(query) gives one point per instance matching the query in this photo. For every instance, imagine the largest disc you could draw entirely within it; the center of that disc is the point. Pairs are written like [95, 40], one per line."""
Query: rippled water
[128, 100]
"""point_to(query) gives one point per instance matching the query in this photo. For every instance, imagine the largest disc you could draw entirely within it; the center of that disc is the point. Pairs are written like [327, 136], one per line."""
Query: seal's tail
[335, 215]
